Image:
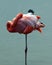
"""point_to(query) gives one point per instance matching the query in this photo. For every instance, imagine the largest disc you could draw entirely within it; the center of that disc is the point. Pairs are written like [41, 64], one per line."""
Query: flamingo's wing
[15, 20]
[28, 29]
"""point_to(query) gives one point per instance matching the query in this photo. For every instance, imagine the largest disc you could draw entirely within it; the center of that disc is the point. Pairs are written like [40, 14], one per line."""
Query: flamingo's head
[39, 25]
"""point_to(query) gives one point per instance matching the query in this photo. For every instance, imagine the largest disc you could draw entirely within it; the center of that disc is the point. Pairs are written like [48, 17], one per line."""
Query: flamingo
[25, 24]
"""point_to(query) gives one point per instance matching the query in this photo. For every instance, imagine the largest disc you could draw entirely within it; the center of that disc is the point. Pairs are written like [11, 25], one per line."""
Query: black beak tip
[30, 11]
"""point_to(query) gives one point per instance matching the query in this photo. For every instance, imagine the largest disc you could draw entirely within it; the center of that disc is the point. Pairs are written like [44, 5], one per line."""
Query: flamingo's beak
[38, 17]
[39, 29]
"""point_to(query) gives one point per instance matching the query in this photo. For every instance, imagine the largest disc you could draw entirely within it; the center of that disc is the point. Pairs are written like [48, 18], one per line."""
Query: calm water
[12, 46]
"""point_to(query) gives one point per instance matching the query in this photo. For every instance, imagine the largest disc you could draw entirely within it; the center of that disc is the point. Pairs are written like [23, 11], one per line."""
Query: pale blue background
[12, 46]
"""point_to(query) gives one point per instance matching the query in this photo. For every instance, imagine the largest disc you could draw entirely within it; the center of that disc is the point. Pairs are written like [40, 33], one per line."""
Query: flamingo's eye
[41, 22]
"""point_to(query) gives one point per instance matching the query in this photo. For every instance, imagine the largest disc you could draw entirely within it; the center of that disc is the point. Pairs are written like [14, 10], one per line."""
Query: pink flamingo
[25, 24]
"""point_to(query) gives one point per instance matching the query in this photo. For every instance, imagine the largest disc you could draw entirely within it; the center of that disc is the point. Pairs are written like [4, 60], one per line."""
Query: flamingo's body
[24, 23]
